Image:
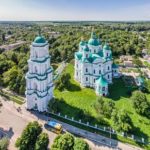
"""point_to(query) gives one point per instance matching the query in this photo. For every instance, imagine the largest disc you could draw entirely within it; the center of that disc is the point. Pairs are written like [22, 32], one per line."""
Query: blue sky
[74, 10]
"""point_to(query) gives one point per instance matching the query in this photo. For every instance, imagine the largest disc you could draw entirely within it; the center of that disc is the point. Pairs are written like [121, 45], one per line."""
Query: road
[12, 46]
[60, 69]
[13, 122]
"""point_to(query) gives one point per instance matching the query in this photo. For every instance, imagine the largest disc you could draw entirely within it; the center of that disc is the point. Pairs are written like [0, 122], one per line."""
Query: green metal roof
[82, 43]
[40, 40]
[106, 47]
[102, 81]
[93, 40]
[78, 55]
[86, 48]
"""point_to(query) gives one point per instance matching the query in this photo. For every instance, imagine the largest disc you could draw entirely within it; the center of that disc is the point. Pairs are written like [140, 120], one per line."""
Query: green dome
[86, 48]
[106, 47]
[102, 81]
[39, 40]
[93, 40]
[82, 43]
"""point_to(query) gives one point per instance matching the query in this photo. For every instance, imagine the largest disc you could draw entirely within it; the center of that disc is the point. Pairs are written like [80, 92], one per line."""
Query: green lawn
[19, 100]
[76, 99]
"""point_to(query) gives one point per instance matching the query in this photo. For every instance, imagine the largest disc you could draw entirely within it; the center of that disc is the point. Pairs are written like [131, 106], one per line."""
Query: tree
[63, 82]
[104, 107]
[14, 79]
[140, 103]
[63, 142]
[121, 121]
[3, 37]
[29, 136]
[147, 85]
[80, 144]
[53, 105]
[42, 142]
[4, 142]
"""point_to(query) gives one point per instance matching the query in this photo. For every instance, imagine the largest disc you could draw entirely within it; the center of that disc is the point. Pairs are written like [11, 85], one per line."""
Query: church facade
[94, 65]
[39, 85]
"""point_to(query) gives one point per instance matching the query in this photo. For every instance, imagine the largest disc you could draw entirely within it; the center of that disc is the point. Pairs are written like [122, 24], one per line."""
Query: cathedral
[39, 80]
[94, 65]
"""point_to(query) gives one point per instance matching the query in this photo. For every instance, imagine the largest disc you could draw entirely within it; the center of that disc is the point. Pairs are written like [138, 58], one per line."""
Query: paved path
[14, 121]
[60, 69]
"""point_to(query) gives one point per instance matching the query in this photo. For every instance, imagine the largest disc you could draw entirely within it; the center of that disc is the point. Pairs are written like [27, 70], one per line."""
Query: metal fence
[104, 129]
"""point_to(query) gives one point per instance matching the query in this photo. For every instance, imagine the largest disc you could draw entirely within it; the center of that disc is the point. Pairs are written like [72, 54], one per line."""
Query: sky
[78, 10]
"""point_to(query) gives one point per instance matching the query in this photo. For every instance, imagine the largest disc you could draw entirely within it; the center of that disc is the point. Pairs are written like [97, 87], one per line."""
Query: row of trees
[32, 138]
[13, 64]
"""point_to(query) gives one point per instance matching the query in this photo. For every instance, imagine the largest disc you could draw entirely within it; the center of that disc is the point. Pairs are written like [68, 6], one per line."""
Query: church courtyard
[76, 100]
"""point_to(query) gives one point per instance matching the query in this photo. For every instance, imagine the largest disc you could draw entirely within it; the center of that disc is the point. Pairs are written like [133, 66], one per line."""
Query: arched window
[86, 55]
[108, 76]
[99, 71]
[107, 54]
[86, 70]
[103, 88]
[86, 78]
[94, 80]
[108, 67]
[94, 71]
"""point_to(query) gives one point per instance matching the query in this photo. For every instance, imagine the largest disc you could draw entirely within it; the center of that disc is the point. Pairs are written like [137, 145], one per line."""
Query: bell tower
[39, 80]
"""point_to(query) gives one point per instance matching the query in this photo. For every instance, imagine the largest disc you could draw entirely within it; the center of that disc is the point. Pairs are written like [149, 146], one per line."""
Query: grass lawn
[12, 97]
[76, 99]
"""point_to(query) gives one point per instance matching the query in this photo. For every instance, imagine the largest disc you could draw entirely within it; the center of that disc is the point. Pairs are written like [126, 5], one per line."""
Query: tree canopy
[140, 103]
[29, 136]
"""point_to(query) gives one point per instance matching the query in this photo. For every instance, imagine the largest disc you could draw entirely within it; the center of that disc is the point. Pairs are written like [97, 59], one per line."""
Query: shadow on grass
[78, 114]
[118, 89]
[73, 87]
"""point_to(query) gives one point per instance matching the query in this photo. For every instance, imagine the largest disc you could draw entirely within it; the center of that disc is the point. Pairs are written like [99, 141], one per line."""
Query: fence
[103, 129]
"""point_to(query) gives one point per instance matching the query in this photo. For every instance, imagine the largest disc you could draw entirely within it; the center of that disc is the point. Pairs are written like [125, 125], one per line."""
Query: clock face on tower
[39, 85]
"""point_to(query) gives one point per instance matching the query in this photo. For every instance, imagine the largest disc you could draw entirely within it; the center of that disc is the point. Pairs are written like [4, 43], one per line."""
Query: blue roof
[52, 123]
